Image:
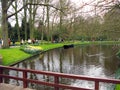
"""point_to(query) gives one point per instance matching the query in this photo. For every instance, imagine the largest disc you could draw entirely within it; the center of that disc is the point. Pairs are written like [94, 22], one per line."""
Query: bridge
[56, 84]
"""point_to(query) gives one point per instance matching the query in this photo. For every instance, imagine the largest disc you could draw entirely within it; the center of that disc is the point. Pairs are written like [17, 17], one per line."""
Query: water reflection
[92, 60]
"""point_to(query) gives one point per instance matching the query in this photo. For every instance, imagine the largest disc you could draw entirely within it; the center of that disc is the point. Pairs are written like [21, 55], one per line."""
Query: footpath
[12, 87]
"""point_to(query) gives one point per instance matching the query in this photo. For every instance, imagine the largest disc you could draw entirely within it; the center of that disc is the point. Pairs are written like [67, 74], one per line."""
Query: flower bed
[31, 49]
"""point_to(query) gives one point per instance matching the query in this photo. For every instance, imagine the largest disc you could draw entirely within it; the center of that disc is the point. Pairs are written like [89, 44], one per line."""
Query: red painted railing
[56, 76]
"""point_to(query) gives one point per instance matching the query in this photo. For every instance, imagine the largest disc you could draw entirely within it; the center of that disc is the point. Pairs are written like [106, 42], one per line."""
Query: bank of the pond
[13, 55]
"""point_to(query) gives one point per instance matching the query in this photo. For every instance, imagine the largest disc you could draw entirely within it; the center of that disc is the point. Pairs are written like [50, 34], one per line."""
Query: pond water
[89, 60]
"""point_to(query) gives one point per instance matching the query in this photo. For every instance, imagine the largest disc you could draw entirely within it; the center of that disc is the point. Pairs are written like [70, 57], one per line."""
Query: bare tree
[25, 18]
[16, 17]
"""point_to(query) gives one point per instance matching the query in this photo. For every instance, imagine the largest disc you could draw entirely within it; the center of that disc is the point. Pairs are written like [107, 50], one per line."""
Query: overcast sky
[90, 5]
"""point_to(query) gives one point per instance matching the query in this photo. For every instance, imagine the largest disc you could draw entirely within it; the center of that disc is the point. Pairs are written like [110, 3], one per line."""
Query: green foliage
[111, 23]
[38, 34]
[22, 33]
[118, 54]
[12, 32]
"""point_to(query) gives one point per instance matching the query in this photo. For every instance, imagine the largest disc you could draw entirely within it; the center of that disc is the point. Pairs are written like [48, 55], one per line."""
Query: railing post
[24, 79]
[1, 72]
[96, 85]
[56, 81]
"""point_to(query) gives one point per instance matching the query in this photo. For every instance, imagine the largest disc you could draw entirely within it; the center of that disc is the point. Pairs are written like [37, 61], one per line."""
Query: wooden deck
[12, 87]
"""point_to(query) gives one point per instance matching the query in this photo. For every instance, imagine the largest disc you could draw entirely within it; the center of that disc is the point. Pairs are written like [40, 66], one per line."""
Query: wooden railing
[56, 76]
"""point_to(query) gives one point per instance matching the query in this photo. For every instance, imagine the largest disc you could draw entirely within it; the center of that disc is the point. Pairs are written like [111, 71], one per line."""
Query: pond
[89, 60]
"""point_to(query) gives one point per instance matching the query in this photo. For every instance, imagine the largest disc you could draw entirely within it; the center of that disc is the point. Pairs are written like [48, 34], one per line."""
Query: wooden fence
[56, 76]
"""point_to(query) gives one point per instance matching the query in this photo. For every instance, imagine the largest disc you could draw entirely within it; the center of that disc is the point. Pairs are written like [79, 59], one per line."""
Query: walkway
[12, 87]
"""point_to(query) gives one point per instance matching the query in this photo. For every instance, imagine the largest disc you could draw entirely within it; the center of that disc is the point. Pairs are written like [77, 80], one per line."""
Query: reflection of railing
[56, 76]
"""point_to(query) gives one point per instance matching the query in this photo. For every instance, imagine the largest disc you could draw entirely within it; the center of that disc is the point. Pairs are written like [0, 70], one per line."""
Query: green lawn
[12, 55]
[117, 87]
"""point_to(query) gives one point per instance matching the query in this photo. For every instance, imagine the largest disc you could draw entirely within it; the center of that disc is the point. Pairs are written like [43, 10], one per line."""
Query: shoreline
[22, 56]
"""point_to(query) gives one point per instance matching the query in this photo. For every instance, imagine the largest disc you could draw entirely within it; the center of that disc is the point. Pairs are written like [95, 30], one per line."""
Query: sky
[90, 6]
[86, 8]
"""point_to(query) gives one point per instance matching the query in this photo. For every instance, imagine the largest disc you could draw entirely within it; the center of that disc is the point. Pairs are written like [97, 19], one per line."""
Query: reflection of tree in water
[6, 72]
[45, 64]
[61, 56]
[52, 61]
[13, 73]
[32, 75]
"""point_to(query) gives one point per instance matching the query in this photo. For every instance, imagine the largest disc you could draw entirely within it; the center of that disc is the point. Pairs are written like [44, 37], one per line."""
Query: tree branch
[10, 4]
[17, 11]
[46, 5]
[34, 4]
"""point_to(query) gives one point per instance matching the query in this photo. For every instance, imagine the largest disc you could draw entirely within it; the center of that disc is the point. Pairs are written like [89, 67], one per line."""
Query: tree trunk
[42, 32]
[61, 18]
[48, 26]
[32, 12]
[4, 24]
[25, 13]
[16, 16]
[30, 20]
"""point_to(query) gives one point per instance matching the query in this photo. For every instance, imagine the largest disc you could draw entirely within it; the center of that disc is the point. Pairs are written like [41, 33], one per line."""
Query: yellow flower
[36, 47]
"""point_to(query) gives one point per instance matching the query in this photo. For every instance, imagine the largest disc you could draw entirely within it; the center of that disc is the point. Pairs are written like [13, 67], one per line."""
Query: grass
[13, 55]
[117, 87]
[46, 47]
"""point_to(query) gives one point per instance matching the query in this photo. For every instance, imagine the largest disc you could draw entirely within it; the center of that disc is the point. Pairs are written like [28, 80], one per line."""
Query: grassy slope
[117, 87]
[12, 55]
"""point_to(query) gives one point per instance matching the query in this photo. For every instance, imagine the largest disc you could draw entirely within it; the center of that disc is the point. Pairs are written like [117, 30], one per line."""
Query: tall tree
[30, 19]
[16, 17]
[61, 15]
[112, 22]
[25, 19]
[32, 13]
[4, 23]
[48, 23]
